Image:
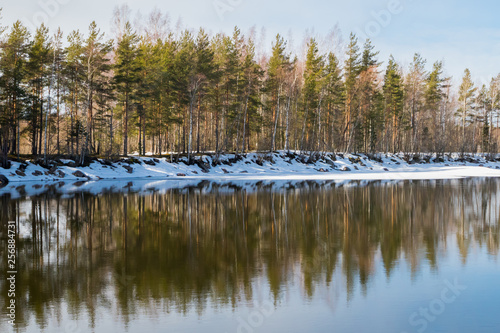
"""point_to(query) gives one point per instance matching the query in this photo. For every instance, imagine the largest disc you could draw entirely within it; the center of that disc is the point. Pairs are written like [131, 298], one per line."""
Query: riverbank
[254, 166]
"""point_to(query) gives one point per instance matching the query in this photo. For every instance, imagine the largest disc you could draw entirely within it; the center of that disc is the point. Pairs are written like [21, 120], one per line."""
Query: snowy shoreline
[255, 167]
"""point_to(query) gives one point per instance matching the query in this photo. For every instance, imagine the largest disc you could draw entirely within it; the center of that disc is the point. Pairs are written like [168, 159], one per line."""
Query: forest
[153, 89]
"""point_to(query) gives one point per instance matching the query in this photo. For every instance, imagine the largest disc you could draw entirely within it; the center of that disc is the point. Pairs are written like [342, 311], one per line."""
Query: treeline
[151, 89]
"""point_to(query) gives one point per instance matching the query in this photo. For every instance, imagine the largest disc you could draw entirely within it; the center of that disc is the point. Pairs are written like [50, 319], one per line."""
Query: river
[402, 256]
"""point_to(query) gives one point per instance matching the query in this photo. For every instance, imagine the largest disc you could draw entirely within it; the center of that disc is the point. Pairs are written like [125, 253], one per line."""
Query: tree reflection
[188, 248]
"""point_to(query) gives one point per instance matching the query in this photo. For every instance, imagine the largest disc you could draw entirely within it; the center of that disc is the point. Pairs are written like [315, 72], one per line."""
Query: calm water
[262, 257]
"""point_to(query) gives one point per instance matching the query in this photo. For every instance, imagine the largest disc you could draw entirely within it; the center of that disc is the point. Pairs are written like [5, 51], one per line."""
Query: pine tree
[433, 97]
[352, 69]
[183, 67]
[313, 92]
[276, 73]
[393, 93]
[368, 57]
[126, 75]
[251, 78]
[414, 93]
[494, 97]
[199, 75]
[145, 89]
[58, 66]
[215, 93]
[162, 67]
[231, 85]
[367, 121]
[73, 78]
[96, 68]
[13, 69]
[39, 76]
[466, 96]
[293, 93]
[334, 98]
[483, 103]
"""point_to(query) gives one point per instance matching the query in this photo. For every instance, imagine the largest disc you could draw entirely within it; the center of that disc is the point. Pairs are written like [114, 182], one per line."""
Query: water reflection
[157, 251]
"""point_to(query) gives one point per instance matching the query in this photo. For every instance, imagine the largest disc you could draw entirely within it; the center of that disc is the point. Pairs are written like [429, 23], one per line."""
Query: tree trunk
[125, 129]
[143, 132]
[111, 133]
[245, 123]
[41, 121]
[198, 125]
[190, 138]
[276, 117]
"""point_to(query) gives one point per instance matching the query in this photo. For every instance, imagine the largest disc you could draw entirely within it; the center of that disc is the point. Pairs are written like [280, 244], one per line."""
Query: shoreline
[255, 166]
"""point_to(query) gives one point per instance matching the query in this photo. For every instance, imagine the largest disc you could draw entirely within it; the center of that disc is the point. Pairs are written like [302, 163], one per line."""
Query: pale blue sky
[463, 33]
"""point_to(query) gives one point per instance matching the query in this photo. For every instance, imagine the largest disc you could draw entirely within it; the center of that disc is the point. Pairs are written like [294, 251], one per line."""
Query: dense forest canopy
[154, 90]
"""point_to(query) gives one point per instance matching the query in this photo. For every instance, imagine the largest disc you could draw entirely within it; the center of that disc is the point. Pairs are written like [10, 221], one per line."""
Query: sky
[464, 34]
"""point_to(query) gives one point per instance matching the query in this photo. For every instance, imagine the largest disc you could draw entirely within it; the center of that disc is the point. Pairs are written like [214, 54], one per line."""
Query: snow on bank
[255, 167]
[19, 190]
